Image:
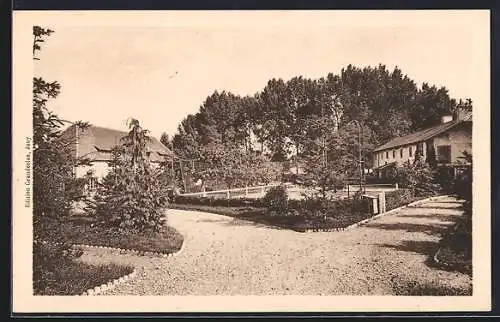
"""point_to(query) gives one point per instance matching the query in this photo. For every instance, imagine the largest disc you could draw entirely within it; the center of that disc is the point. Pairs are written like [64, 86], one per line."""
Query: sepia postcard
[251, 161]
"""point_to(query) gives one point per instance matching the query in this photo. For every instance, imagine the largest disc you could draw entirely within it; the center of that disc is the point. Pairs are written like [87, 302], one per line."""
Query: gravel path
[225, 256]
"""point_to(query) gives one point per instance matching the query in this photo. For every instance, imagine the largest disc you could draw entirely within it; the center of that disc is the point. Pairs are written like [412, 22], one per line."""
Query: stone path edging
[129, 251]
[359, 223]
[109, 285]
[132, 251]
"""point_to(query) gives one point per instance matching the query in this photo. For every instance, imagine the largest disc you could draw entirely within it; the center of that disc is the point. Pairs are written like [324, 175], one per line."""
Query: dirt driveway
[225, 256]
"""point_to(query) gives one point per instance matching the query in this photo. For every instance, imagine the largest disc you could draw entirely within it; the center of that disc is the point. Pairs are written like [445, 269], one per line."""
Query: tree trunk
[297, 158]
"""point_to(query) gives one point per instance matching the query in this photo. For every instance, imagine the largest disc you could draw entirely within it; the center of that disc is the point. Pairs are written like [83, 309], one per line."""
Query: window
[411, 151]
[393, 153]
[91, 184]
[444, 154]
[387, 154]
[401, 153]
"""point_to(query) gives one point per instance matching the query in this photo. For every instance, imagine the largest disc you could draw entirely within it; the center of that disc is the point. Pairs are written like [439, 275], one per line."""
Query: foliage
[398, 198]
[51, 250]
[74, 278]
[284, 117]
[433, 288]
[54, 185]
[235, 167]
[312, 208]
[456, 245]
[276, 199]
[301, 215]
[218, 202]
[86, 230]
[462, 184]
[132, 196]
[418, 177]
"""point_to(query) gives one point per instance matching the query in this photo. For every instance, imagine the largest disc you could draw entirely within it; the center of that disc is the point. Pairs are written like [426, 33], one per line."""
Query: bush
[399, 198]
[418, 177]
[217, 202]
[51, 250]
[444, 178]
[431, 288]
[132, 196]
[276, 199]
[456, 245]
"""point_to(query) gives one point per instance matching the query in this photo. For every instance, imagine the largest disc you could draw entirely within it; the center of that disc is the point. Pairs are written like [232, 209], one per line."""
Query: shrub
[132, 196]
[51, 250]
[418, 177]
[54, 186]
[398, 198]
[217, 202]
[444, 178]
[431, 288]
[276, 199]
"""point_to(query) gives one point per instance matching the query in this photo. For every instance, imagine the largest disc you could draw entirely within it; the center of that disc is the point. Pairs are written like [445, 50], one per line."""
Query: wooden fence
[236, 192]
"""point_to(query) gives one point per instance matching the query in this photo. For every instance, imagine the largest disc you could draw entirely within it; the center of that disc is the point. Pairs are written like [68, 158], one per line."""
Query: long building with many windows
[445, 142]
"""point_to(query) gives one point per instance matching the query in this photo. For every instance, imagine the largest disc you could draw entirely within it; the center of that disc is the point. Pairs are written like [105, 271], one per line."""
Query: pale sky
[160, 74]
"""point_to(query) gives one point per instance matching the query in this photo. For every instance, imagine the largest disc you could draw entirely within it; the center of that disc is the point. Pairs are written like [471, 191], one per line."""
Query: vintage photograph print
[275, 161]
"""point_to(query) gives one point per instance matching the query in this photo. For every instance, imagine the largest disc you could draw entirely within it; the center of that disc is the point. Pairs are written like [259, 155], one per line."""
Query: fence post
[397, 186]
[375, 205]
[381, 202]
[246, 192]
[228, 194]
[204, 192]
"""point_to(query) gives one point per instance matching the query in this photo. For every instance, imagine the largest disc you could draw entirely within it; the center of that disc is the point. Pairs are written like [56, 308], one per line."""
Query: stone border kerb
[359, 223]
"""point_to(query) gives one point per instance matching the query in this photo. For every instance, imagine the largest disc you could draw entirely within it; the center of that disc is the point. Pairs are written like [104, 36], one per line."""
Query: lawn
[83, 230]
[298, 222]
[75, 277]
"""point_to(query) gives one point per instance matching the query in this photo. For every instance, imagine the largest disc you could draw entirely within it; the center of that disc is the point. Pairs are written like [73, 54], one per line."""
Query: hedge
[399, 198]
[311, 206]
[218, 202]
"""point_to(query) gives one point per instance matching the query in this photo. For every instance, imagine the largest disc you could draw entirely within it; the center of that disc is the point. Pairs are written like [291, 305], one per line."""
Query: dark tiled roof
[423, 134]
[96, 143]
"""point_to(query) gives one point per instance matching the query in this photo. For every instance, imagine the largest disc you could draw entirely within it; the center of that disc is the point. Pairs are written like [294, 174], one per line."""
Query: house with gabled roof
[96, 143]
[444, 143]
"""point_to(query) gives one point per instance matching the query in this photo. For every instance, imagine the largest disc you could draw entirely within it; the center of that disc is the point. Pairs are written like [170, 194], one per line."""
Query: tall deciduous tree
[286, 116]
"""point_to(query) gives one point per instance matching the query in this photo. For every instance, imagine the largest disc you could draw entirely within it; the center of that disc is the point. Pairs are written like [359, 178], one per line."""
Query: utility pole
[182, 176]
[360, 157]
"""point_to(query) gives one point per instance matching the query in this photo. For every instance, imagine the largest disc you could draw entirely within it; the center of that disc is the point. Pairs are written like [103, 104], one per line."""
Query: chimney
[446, 119]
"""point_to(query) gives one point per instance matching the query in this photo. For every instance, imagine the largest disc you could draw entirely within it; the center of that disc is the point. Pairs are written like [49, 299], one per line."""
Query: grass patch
[83, 230]
[296, 221]
[75, 277]
[416, 288]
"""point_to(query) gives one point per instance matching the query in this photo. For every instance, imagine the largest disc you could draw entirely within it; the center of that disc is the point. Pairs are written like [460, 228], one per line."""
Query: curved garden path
[226, 256]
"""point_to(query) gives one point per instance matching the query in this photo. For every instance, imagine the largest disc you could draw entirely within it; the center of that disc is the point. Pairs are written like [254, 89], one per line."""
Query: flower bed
[83, 230]
[300, 215]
